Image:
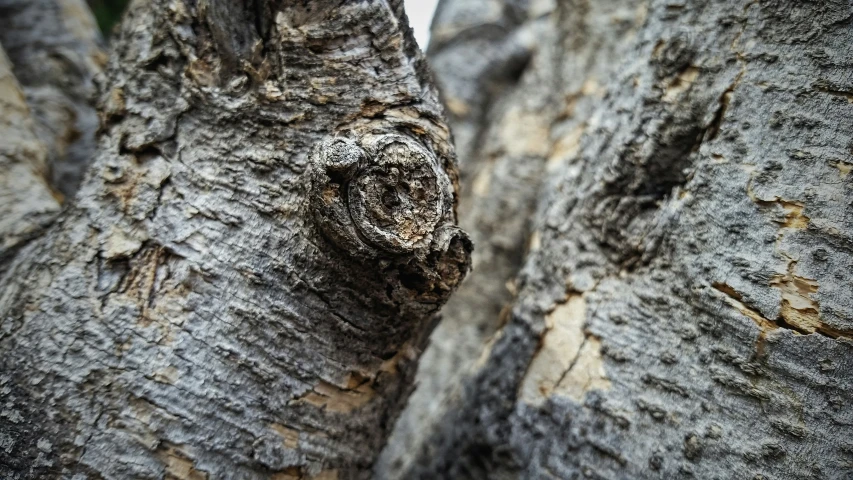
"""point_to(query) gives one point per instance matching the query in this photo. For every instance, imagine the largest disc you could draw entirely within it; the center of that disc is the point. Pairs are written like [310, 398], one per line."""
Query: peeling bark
[249, 272]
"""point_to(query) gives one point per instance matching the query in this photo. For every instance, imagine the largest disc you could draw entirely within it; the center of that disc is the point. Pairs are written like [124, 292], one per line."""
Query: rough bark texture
[661, 194]
[685, 309]
[56, 51]
[478, 52]
[246, 278]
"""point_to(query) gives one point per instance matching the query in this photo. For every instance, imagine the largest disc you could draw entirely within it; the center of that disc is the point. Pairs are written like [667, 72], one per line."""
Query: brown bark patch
[336, 399]
[179, 464]
[289, 436]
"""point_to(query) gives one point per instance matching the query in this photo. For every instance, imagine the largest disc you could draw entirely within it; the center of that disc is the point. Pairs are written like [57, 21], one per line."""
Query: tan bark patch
[566, 147]
[586, 374]
[179, 464]
[487, 350]
[526, 133]
[794, 217]
[457, 106]
[592, 87]
[167, 375]
[734, 298]
[569, 361]
[114, 103]
[202, 73]
[372, 108]
[535, 241]
[289, 436]
[326, 475]
[295, 473]
[356, 390]
[77, 18]
[119, 244]
[339, 400]
[680, 84]
[142, 410]
[20, 144]
[482, 181]
[798, 308]
[291, 473]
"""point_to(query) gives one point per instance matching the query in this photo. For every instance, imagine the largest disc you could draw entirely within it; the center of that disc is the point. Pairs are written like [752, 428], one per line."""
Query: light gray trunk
[685, 305]
[27, 202]
[247, 276]
[56, 52]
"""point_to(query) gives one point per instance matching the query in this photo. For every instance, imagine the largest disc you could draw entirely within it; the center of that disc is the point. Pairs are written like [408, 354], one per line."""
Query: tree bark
[27, 203]
[246, 278]
[479, 51]
[660, 193]
[684, 309]
[56, 52]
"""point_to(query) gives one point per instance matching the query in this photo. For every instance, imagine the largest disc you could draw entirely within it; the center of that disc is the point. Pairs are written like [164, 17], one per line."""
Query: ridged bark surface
[249, 272]
[684, 309]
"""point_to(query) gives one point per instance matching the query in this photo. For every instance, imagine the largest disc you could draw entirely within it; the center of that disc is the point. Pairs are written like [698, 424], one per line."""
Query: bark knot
[385, 195]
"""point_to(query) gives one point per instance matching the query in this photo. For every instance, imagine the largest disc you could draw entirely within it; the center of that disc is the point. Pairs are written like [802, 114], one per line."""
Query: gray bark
[56, 52]
[245, 280]
[27, 203]
[684, 309]
[660, 193]
[478, 52]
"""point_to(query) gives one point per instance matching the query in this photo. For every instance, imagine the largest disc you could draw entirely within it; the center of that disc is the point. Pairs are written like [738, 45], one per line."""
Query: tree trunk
[660, 194]
[27, 203]
[56, 53]
[246, 278]
[684, 309]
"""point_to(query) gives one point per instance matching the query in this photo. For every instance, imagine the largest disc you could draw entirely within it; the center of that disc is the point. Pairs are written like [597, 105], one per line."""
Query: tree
[56, 52]
[659, 194]
[243, 282]
[683, 306]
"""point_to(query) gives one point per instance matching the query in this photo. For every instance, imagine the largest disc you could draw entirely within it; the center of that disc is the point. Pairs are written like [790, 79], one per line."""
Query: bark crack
[798, 310]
